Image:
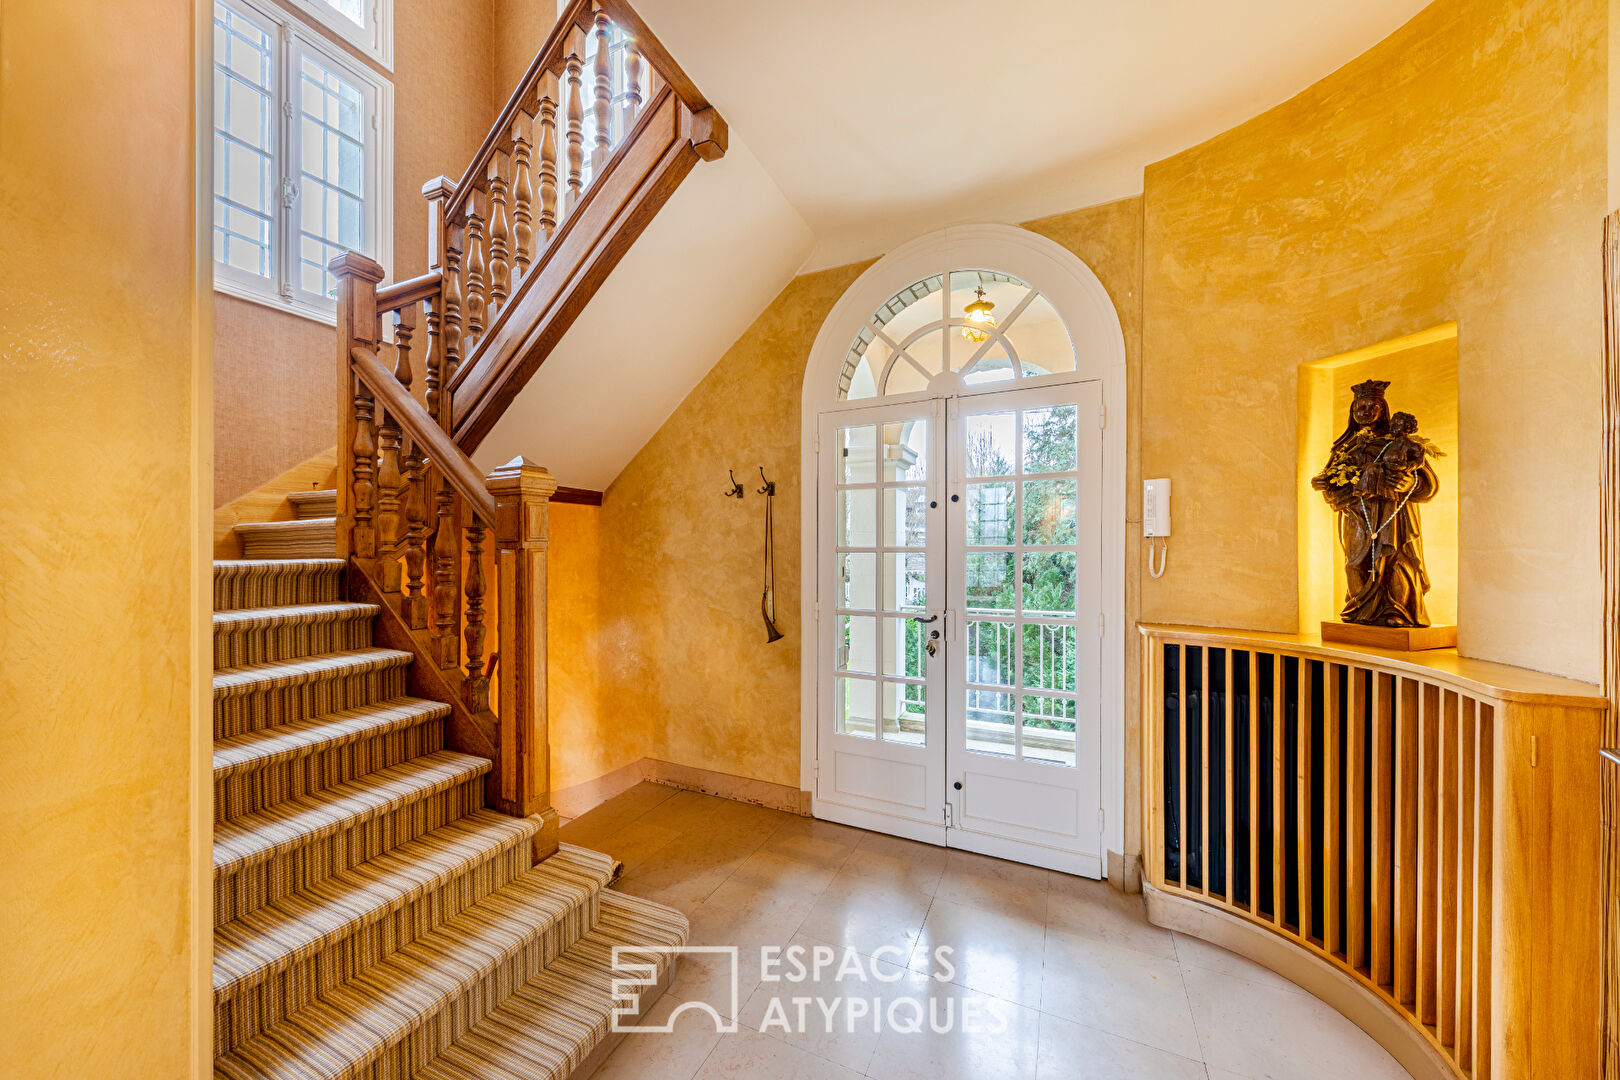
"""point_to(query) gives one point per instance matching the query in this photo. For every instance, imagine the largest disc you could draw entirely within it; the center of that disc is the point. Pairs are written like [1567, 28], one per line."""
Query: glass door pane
[882, 586]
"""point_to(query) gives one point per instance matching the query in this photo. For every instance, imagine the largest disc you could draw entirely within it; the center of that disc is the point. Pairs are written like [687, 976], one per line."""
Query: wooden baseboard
[580, 798]
[576, 799]
[268, 501]
[1405, 1043]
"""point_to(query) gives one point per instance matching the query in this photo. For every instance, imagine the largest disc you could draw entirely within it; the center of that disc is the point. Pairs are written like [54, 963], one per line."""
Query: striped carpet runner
[372, 919]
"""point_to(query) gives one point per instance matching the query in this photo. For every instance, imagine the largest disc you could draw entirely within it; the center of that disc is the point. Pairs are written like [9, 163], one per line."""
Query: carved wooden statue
[1378, 474]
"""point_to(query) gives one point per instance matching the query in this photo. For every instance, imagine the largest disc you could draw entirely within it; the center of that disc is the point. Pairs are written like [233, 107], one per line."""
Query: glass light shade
[978, 313]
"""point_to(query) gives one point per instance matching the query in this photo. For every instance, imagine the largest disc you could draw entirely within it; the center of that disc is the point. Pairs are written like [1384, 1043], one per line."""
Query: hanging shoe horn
[767, 600]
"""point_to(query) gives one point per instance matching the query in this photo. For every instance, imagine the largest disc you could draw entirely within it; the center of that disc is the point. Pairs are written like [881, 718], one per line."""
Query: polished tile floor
[1047, 976]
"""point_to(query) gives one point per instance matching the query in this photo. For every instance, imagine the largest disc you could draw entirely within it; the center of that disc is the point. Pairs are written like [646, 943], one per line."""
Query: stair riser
[238, 646]
[253, 1010]
[275, 586]
[251, 888]
[319, 546]
[264, 707]
[248, 793]
[323, 507]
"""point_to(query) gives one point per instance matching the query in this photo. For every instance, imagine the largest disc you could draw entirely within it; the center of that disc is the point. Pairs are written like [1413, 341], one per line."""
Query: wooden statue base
[1396, 638]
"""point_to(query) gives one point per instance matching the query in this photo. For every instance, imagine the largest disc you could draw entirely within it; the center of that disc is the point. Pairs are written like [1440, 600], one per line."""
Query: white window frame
[375, 37]
[291, 40]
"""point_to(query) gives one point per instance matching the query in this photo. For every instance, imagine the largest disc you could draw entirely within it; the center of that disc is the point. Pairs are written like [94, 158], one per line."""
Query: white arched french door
[963, 552]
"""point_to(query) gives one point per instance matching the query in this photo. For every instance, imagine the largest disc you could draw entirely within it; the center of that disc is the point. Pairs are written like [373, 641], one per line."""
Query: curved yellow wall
[1455, 172]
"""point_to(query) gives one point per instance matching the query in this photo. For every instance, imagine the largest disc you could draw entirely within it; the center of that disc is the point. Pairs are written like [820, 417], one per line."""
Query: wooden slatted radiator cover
[1412, 836]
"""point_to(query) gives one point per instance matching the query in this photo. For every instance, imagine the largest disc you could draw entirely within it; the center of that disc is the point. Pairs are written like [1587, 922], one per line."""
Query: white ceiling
[859, 124]
[709, 263]
[884, 119]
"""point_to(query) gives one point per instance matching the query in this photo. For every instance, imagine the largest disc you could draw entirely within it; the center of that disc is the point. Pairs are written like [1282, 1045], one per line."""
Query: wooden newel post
[357, 278]
[522, 491]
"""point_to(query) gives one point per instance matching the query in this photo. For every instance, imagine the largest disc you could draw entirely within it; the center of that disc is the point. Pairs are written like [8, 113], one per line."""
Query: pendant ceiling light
[979, 316]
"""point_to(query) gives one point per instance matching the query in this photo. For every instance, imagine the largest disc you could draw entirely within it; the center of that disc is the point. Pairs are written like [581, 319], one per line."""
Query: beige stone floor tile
[994, 885]
[1122, 991]
[819, 843]
[746, 909]
[898, 862]
[996, 953]
[868, 914]
[615, 814]
[1269, 1034]
[1088, 908]
[749, 1055]
[774, 869]
[1223, 1074]
[693, 812]
[983, 1037]
[1070, 1050]
[636, 844]
[1201, 954]
[675, 1055]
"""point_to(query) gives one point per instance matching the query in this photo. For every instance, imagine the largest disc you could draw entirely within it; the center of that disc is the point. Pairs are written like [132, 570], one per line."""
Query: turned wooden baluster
[632, 83]
[413, 606]
[522, 194]
[390, 483]
[573, 67]
[500, 231]
[431, 395]
[477, 299]
[404, 330]
[602, 96]
[548, 154]
[444, 255]
[364, 486]
[446, 573]
[475, 690]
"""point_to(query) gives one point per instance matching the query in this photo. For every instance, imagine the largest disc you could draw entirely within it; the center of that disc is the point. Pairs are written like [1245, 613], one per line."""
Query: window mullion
[287, 186]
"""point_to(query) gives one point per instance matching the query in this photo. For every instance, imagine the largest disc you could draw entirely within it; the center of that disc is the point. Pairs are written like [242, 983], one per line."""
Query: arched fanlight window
[954, 331]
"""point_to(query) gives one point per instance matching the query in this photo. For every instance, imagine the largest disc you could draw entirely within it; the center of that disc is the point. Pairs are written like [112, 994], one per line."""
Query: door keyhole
[957, 785]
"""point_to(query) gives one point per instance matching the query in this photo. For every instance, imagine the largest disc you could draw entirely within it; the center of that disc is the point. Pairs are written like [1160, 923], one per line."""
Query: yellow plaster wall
[586, 740]
[105, 481]
[1456, 171]
[684, 664]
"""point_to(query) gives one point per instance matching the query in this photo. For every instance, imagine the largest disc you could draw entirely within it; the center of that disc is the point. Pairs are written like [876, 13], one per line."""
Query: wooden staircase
[391, 900]
[372, 917]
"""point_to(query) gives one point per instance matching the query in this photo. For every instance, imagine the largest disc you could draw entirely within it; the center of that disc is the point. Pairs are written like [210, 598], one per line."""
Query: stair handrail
[516, 248]
[599, 132]
[415, 422]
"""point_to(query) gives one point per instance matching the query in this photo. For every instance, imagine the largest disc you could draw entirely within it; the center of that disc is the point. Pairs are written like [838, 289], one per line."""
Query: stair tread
[256, 837]
[550, 1025]
[292, 525]
[313, 495]
[301, 738]
[355, 1023]
[229, 682]
[253, 618]
[268, 939]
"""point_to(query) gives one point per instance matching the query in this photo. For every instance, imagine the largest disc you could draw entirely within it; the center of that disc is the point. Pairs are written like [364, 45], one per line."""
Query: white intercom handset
[1156, 521]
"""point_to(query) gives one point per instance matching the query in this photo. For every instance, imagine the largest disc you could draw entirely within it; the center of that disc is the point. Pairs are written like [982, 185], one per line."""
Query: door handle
[925, 622]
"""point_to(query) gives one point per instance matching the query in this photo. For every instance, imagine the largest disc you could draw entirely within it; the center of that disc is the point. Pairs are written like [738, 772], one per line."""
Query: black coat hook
[736, 490]
[770, 485]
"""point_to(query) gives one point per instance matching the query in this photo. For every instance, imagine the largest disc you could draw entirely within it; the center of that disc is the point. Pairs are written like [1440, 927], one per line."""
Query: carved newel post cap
[440, 187]
[354, 264]
[520, 476]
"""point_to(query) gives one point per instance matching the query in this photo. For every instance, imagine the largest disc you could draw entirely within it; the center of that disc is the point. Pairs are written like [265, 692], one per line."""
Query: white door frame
[1093, 323]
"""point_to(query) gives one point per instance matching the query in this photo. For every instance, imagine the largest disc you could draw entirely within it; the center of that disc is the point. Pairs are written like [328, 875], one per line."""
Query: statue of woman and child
[1376, 477]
